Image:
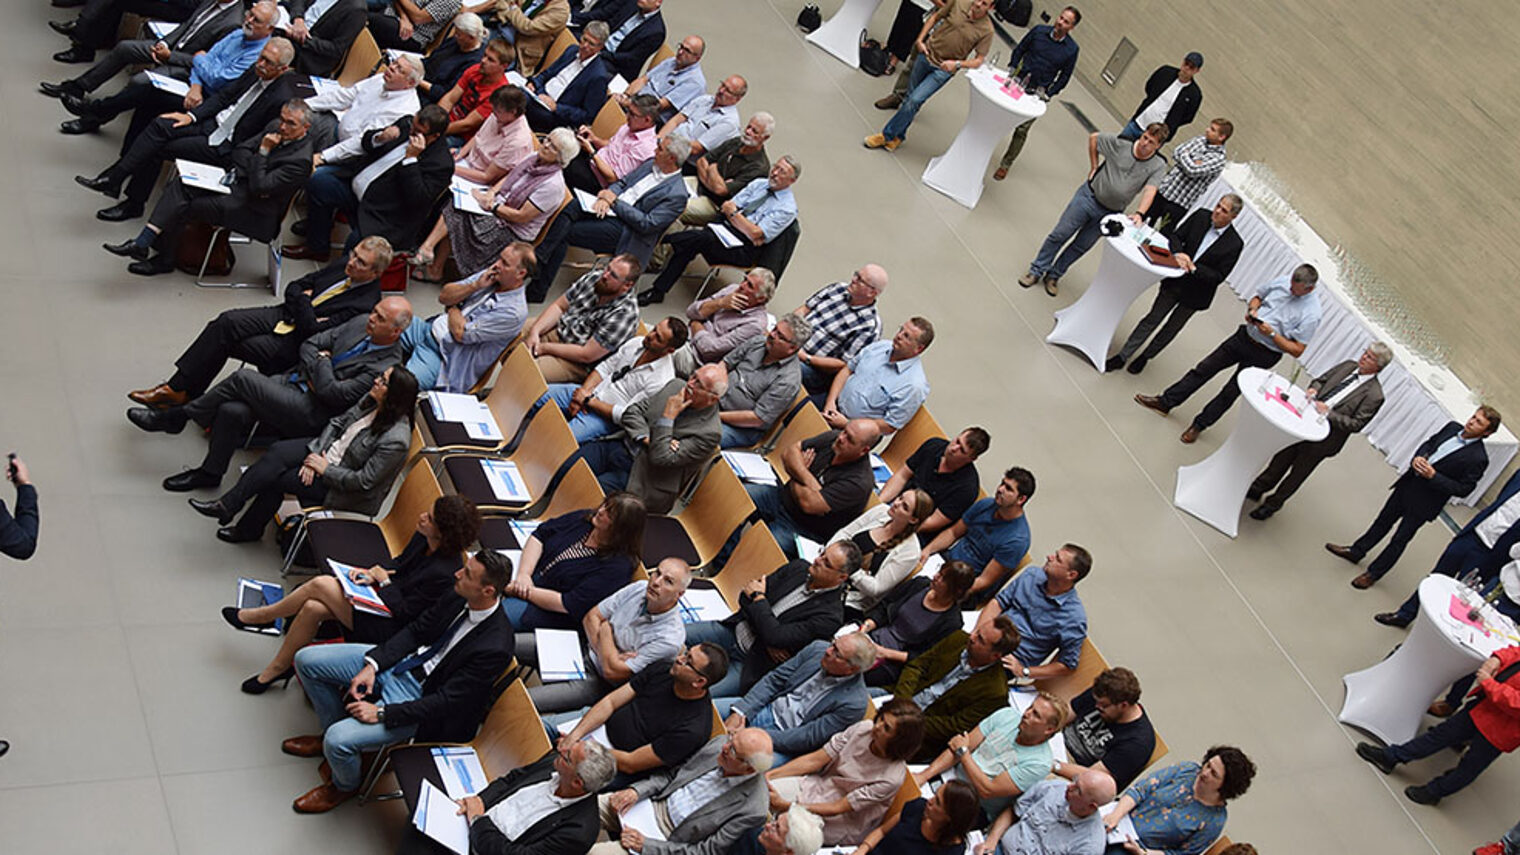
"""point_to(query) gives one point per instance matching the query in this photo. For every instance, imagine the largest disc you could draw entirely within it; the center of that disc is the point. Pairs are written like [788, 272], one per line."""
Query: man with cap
[1172, 97]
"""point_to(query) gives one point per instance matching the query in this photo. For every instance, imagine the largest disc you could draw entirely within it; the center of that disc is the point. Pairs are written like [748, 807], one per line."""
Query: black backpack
[873, 57]
[1015, 12]
[809, 19]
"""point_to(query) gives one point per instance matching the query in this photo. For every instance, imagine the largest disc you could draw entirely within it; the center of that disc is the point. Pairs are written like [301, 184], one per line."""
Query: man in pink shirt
[603, 161]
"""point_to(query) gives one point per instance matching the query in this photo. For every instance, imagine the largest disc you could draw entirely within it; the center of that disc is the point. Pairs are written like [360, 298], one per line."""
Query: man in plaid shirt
[1195, 165]
[590, 320]
[844, 320]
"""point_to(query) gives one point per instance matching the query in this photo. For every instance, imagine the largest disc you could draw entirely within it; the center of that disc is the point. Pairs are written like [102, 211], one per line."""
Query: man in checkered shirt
[1195, 165]
[844, 320]
[590, 320]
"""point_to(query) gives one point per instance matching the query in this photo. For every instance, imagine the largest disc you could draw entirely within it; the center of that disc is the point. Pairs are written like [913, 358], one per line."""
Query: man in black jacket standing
[1172, 97]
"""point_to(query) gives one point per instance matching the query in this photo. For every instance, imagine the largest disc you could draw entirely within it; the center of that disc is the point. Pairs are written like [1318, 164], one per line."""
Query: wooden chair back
[1158, 752]
[564, 40]
[1078, 681]
[608, 119]
[906, 793]
[519, 386]
[511, 735]
[578, 490]
[546, 445]
[419, 490]
[544, 232]
[717, 724]
[716, 510]
[906, 441]
[361, 60]
[754, 557]
[665, 52]
[807, 422]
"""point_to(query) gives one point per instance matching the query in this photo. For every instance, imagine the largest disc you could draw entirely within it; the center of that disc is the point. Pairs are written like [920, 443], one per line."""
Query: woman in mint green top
[1180, 810]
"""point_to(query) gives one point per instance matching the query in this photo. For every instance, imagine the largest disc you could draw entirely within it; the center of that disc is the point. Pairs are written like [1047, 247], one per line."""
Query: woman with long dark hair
[349, 467]
[885, 536]
[914, 618]
[933, 826]
[573, 562]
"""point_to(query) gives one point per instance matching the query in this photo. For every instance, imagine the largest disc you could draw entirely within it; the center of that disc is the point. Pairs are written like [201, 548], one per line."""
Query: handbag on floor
[809, 19]
[194, 238]
[873, 57]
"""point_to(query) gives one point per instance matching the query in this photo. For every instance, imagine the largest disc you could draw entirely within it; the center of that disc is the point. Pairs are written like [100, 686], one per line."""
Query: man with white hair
[371, 104]
[571, 90]
[799, 831]
[735, 314]
[447, 63]
[808, 698]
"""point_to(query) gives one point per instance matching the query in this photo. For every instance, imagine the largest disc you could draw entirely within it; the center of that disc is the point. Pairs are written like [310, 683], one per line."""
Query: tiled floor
[122, 706]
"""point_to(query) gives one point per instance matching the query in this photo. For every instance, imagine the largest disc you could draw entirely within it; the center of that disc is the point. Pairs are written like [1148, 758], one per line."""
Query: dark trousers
[1393, 513]
[328, 191]
[1457, 729]
[246, 334]
[1288, 471]
[179, 205]
[612, 462]
[123, 55]
[1240, 351]
[581, 175]
[905, 29]
[542, 119]
[100, 20]
[573, 227]
[686, 246]
[387, 32]
[1164, 207]
[231, 407]
[160, 141]
[275, 473]
[1165, 307]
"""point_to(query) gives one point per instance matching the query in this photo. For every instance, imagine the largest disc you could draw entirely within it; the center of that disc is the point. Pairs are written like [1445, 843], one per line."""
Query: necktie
[622, 32]
[432, 650]
[227, 121]
[1339, 387]
[286, 327]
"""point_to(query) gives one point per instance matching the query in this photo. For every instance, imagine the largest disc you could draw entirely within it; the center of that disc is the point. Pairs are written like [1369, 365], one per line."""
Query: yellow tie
[286, 327]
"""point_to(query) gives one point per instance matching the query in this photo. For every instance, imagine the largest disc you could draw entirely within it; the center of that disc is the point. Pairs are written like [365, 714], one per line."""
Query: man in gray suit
[700, 807]
[808, 698]
[1349, 395]
[337, 367]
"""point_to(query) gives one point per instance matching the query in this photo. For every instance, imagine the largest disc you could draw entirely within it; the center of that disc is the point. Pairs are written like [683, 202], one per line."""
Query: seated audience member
[18, 534]
[1109, 730]
[267, 171]
[572, 562]
[408, 584]
[699, 813]
[1006, 754]
[636, 34]
[482, 315]
[1182, 808]
[636, 626]
[571, 90]
[432, 681]
[845, 319]
[756, 215]
[668, 437]
[808, 698]
[734, 314]
[532, 29]
[336, 368]
[443, 67]
[324, 32]
[828, 482]
[603, 161]
[406, 167]
[591, 319]
[270, 337]
[368, 105]
[629, 216]
[638, 369]
[1055, 818]
[956, 682]
[350, 467]
[547, 807]
[722, 171]
[209, 133]
[763, 381]
[946, 470]
[516, 209]
[503, 140]
[884, 382]
[469, 102]
[780, 614]
[913, 617]
[852, 780]
[411, 26]
[708, 120]
[1042, 602]
[202, 24]
[609, 12]
[676, 81]
[798, 831]
[993, 536]
[659, 718]
[884, 534]
[927, 826]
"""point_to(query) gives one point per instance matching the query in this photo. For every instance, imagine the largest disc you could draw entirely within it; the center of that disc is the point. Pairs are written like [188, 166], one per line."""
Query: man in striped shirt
[1195, 165]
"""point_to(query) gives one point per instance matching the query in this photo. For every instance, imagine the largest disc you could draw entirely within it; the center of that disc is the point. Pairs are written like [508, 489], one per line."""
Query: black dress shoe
[1422, 796]
[1262, 512]
[1393, 619]
[1114, 363]
[64, 28]
[158, 421]
[1376, 756]
[230, 534]
[252, 686]
[152, 266]
[74, 127]
[1136, 365]
[75, 54]
[102, 183]
[1253, 495]
[4, 747]
[78, 105]
[230, 615]
[120, 212]
[649, 297]
[58, 90]
[191, 479]
[214, 508]
[125, 249]
[67, 4]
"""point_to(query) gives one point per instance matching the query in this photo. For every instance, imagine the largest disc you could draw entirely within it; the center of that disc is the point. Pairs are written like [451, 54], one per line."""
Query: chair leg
[295, 546]
[235, 238]
[712, 272]
[383, 762]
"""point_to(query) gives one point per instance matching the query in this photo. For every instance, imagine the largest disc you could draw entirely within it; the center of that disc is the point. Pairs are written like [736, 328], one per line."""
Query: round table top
[1126, 246]
[984, 79]
[1304, 424]
[1436, 594]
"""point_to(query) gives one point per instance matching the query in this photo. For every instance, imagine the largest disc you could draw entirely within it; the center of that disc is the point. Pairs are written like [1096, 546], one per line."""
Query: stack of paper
[463, 193]
[168, 84]
[725, 235]
[364, 597]
[202, 176]
[699, 604]
[1125, 830]
[524, 529]
[438, 817]
[459, 767]
[559, 655]
[617, 85]
[506, 483]
[584, 199]
[751, 467]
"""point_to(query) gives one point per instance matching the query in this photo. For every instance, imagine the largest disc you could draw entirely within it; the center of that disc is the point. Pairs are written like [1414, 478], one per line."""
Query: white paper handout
[505, 480]
[159, 29]
[584, 199]
[364, 597]
[463, 193]
[931, 566]
[559, 654]
[456, 407]
[599, 735]
[1125, 830]
[516, 79]
[167, 83]
[751, 467]
[725, 235]
[202, 176]
[807, 549]
[459, 767]
[617, 85]
[699, 604]
[640, 817]
[438, 817]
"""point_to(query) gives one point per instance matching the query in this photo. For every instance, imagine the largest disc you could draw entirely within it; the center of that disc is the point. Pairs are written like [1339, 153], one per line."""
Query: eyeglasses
[775, 333]
[684, 49]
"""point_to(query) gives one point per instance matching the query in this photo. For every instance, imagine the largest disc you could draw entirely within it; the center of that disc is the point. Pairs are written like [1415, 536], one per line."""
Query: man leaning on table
[953, 31]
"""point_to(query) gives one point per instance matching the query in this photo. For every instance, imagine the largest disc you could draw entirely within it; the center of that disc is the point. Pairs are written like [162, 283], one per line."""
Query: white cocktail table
[840, 34]
[960, 171]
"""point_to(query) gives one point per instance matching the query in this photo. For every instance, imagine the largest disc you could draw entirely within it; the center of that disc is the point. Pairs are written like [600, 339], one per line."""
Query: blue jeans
[1131, 131]
[328, 190]
[736, 437]
[1511, 840]
[815, 381]
[1079, 225]
[922, 84]
[717, 633]
[767, 499]
[325, 671]
[585, 425]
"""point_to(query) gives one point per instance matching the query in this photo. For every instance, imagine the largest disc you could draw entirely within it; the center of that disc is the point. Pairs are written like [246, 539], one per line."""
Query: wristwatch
[961, 751]
[380, 713]
[1026, 672]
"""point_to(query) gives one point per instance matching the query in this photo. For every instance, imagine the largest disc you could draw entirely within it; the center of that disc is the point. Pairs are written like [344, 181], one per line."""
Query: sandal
[422, 258]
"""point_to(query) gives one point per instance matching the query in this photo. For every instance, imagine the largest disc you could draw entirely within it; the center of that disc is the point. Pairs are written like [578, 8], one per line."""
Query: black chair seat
[497, 533]
[665, 538]
[354, 542]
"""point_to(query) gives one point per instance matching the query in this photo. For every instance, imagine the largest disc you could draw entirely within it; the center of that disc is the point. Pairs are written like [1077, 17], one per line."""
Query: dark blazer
[362, 478]
[1353, 412]
[1183, 109]
[355, 302]
[399, 202]
[1196, 290]
[644, 221]
[712, 828]
[638, 47]
[418, 580]
[816, 617]
[335, 388]
[456, 695]
[571, 830]
[584, 97]
[607, 10]
[1457, 474]
[265, 184]
[260, 115]
[18, 534]
[839, 708]
[225, 22]
[959, 709]
[330, 38]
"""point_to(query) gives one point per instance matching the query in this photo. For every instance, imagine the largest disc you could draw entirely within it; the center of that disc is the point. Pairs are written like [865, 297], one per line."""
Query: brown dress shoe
[324, 769]
[303, 746]
[891, 102]
[1151, 402]
[1000, 173]
[305, 251]
[322, 799]
[1363, 582]
[1190, 435]
[1343, 552]
[1441, 709]
[159, 397]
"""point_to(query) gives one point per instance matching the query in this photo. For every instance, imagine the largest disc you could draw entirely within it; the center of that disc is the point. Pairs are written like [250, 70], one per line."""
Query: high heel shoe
[230, 615]
[253, 686]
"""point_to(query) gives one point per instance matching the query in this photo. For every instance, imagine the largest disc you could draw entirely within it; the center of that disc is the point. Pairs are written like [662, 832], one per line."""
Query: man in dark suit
[957, 682]
[98, 24]
[1447, 464]
[634, 38]
[628, 217]
[1172, 97]
[1207, 246]
[809, 718]
[1348, 395]
[1483, 545]
[270, 337]
[337, 367]
[583, 12]
[432, 680]
[779, 614]
[571, 91]
[266, 172]
[323, 42]
[207, 134]
[99, 21]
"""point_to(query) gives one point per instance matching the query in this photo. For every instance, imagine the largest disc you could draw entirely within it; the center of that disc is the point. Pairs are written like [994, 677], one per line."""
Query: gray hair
[1235, 202]
[760, 761]
[283, 49]
[794, 164]
[678, 147]
[597, 30]
[804, 830]
[381, 248]
[802, 329]
[718, 387]
[766, 120]
[470, 24]
[300, 108]
[767, 282]
[862, 653]
[273, 13]
[1382, 353]
[597, 768]
[1305, 274]
[564, 144]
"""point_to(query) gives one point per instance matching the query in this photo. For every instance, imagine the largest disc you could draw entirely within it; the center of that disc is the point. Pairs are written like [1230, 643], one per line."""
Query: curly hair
[1238, 770]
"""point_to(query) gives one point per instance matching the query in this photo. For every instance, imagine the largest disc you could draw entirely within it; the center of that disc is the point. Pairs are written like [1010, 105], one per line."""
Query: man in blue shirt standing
[1047, 55]
[993, 536]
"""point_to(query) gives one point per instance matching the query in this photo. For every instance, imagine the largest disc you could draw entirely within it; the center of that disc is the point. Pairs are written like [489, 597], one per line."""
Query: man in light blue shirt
[234, 54]
[482, 315]
[1057, 817]
[1042, 602]
[992, 536]
[676, 81]
[1281, 318]
[884, 382]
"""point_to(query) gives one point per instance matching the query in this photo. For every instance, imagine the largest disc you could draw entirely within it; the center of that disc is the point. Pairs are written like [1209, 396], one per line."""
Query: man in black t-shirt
[946, 470]
[660, 717]
[828, 482]
[1109, 730]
